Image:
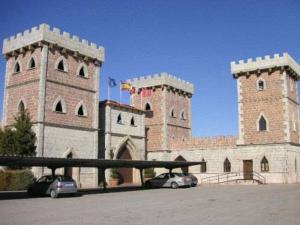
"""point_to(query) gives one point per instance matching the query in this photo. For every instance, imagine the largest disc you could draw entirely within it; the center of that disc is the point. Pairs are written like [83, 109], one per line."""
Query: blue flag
[111, 82]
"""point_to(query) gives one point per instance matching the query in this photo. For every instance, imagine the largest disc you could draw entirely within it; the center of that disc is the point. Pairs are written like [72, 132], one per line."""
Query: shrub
[14, 180]
[114, 173]
[149, 172]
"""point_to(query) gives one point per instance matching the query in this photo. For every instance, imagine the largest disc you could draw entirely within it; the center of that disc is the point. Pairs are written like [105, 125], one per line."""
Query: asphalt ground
[232, 205]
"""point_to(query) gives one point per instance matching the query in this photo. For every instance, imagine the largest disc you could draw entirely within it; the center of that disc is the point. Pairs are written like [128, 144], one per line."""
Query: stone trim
[65, 126]
[85, 113]
[162, 79]
[240, 112]
[65, 63]
[164, 118]
[71, 86]
[257, 122]
[53, 36]
[32, 57]
[122, 135]
[63, 104]
[23, 83]
[175, 125]
[265, 63]
[86, 72]
[286, 120]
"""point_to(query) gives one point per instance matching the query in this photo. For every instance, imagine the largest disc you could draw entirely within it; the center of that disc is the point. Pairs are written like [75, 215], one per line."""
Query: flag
[111, 82]
[125, 86]
[146, 92]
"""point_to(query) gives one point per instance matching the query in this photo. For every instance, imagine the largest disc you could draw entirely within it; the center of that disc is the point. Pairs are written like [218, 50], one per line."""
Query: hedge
[14, 180]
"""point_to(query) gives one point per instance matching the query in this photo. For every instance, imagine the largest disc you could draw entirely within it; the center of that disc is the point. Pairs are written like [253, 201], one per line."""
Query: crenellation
[54, 36]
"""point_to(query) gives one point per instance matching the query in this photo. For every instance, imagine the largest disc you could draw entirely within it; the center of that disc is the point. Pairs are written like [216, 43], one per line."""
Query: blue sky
[194, 40]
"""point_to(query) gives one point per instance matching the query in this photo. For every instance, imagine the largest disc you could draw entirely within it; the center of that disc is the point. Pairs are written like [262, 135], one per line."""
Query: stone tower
[56, 77]
[167, 102]
[267, 99]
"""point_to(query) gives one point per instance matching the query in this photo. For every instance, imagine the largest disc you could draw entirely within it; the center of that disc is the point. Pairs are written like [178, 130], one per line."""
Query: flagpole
[108, 92]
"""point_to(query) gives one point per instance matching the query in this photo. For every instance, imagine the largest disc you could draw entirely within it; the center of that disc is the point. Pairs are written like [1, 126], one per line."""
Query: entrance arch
[126, 150]
[181, 159]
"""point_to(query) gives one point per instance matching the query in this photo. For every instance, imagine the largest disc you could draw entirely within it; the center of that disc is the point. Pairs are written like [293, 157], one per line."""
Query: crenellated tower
[56, 77]
[167, 102]
[268, 103]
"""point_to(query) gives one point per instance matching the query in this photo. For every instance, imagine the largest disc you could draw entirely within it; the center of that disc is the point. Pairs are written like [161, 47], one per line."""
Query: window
[80, 109]
[31, 64]
[119, 119]
[203, 166]
[147, 107]
[182, 115]
[173, 115]
[132, 122]
[81, 72]
[262, 124]
[21, 106]
[227, 166]
[59, 106]
[261, 85]
[264, 165]
[17, 68]
[61, 65]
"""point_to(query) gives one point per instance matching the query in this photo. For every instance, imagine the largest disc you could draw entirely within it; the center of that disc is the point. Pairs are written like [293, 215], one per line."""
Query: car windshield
[64, 178]
[179, 174]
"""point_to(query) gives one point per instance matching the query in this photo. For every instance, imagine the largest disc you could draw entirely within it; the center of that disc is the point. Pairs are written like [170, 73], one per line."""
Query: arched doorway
[183, 169]
[126, 174]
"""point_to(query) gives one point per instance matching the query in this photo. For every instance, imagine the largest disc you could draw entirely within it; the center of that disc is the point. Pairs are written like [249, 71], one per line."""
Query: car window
[42, 179]
[64, 179]
[162, 176]
[179, 175]
[49, 179]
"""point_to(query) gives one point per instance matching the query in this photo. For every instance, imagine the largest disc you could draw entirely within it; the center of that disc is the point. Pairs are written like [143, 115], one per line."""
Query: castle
[56, 77]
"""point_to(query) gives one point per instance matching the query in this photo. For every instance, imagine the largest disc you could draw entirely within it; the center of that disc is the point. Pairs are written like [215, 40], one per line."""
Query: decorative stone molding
[265, 63]
[54, 37]
[162, 79]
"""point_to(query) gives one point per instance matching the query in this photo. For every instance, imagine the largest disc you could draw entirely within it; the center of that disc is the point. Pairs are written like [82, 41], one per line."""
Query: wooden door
[248, 169]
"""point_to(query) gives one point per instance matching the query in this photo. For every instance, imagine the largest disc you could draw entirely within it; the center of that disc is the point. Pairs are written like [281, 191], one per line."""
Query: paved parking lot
[263, 204]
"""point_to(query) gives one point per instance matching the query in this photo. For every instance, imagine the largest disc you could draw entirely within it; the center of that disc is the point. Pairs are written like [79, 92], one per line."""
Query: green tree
[7, 141]
[24, 136]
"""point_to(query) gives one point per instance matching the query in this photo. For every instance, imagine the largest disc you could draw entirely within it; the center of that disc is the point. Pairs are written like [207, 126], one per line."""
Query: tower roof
[266, 63]
[162, 79]
[44, 33]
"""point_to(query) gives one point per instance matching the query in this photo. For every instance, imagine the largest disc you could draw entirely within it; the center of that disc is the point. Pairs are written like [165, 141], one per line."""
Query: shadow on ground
[6, 195]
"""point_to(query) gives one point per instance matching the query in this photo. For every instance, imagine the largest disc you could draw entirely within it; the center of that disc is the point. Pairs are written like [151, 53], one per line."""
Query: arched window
[21, 106]
[80, 109]
[61, 64]
[264, 165]
[261, 85]
[82, 70]
[182, 115]
[31, 64]
[227, 166]
[262, 123]
[17, 68]
[59, 106]
[119, 119]
[203, 168]
[173, 114]
[147, 106]
[132, 122]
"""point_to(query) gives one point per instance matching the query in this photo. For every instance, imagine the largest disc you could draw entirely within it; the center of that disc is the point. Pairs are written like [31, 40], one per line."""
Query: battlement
[162, 79]
[265, 63]
[219, 142]
[53, 36]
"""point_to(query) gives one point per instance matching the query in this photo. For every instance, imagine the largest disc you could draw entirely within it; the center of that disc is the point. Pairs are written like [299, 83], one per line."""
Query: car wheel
[53, 194]
[148, 185]
[174, 185]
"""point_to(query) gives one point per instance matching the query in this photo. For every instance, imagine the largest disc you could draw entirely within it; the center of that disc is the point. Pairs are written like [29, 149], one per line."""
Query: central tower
[167, 102]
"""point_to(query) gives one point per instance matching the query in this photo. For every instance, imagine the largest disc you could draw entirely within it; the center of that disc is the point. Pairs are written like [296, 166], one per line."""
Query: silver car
[53, 186]
[173, 180]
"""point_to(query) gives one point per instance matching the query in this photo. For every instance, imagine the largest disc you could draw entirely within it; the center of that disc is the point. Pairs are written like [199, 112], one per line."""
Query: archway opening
[126, 174]
[181, 159]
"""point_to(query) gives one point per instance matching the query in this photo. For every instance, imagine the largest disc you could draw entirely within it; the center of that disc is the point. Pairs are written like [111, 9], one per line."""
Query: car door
[158, 181]
[40, 186]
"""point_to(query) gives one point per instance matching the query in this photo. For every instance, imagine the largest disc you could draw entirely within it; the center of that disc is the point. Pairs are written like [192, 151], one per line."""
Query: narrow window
[81, 72]
[147, 107]
[182, 115]
[119, 119]
[264, 165]
[61, 65]
[58, 107]
[173, 113]
[203, 166]
[17, 68]
[227, 166]
[80, 111]
[31, 64]
[21, 107]
[261, 85]
[132, 122]
[262, 124]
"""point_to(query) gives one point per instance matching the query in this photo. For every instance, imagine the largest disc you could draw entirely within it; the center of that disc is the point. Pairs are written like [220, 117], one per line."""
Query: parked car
[173, 180]
[53, 186]
[194, 179]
